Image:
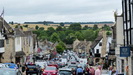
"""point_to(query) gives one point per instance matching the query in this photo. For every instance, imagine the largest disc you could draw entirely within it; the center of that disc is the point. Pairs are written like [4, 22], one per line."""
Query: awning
[19, 54]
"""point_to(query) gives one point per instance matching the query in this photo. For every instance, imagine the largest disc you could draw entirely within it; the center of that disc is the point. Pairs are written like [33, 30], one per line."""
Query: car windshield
[31, 66]
[65, 72]
[7, 72]
[50, 68]
[65, 56]
[72, 67]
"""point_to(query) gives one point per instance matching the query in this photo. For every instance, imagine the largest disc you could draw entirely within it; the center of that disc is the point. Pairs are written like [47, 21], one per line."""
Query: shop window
[1, 43]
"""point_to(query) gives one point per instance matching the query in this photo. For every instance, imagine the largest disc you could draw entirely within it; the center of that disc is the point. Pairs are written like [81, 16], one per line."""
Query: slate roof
[97, 40]
[27, 33]
[6, 26]
[18, 32]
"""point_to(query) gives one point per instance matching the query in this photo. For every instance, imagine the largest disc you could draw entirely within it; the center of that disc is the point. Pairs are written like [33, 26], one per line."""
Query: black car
[32, 69]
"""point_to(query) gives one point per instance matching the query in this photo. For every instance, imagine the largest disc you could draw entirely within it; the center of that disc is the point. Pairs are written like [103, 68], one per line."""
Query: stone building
[100, 47]
[81, 46]
[7, 41]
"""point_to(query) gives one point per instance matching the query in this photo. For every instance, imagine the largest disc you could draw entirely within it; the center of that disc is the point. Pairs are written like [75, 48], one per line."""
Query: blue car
[12, 65]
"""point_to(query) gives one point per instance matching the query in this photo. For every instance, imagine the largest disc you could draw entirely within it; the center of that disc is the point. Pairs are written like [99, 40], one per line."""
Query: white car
[63, 60]
[65, 71]
[3, 65]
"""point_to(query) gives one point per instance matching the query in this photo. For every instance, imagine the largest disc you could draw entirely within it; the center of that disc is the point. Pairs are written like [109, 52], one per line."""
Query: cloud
[60, 10]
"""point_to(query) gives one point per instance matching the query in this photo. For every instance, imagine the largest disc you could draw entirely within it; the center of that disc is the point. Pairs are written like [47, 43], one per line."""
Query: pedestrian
[23, 67]
[110, 70]
[87, 72]
[18, 64]
[73, 71]
[92, 71]
[98, 70]
[79, 70]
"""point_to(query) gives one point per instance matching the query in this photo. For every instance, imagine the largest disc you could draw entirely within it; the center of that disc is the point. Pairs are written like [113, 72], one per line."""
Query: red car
[50, 70]
[55, 65]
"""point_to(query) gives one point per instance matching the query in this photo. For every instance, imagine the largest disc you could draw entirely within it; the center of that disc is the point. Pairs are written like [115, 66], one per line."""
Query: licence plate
[31, 69]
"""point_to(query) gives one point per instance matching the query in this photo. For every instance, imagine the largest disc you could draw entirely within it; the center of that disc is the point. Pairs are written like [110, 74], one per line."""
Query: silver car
[9, 71]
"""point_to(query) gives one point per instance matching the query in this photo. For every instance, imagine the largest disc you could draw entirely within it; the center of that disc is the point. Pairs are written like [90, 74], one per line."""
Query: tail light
[26, 68]
[42, 69]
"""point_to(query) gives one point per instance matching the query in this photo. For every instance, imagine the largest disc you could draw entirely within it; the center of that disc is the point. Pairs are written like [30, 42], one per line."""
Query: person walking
[79, 70]
[92, 71]
[110, 70]
[73, 71]
[98, 71]
[87, 72]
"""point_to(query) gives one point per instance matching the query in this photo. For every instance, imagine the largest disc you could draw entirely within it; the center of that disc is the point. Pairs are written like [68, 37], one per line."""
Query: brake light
[54, 72]
[42, 69]
[26, 68]
[44, 72]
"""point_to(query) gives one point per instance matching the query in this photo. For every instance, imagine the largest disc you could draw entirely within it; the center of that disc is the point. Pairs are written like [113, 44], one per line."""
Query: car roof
[64, 69]
[8, 69]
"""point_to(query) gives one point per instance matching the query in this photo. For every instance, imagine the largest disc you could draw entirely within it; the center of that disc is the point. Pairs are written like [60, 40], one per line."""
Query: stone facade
[81, 46]
[9, 54]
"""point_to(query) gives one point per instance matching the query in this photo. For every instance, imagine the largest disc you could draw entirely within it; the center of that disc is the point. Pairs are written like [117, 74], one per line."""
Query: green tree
[95, 27]
[50, 31]
[41, 28]
[70, 38]
[26, 26]
[89, 35]
[85, 27]
[108, 33]
[106, 27]
[79, 35]
[62, 35]
[54, 38]
[61, 24]
[12, 23]
[37, 27]
[59, 28]
[59, 49]
[62, 44]
[75, 26]
[16, 26]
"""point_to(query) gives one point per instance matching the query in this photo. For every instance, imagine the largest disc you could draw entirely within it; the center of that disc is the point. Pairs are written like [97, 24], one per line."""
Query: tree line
[67, 35]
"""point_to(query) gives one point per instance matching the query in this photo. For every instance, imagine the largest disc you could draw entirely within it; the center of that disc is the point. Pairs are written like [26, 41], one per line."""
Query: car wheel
[36, 73]
[26, 73]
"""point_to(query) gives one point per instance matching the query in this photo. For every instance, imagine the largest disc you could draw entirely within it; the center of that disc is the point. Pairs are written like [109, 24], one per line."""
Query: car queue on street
[67, 63]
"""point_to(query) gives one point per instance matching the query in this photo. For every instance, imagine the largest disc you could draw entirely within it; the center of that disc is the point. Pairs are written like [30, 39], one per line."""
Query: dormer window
[100, 44]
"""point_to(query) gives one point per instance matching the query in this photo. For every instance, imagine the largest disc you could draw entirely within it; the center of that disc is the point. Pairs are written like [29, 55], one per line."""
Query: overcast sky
[60, 10]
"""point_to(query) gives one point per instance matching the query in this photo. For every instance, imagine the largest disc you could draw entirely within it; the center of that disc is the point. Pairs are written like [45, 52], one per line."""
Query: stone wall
[104, 43]
[9, 54]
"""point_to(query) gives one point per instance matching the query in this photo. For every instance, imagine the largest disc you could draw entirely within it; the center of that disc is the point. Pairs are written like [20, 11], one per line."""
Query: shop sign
[124, 51]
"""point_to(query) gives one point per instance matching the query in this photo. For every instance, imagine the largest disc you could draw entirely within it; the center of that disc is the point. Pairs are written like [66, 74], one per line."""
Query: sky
[59, 10]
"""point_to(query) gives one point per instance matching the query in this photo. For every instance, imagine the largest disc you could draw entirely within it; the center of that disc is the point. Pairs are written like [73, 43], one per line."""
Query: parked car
[74, 66]
[73, 61]
[50, 70]
[12, 65]
[32, 69]
[9, 71]
[65, 71]
[4, 65]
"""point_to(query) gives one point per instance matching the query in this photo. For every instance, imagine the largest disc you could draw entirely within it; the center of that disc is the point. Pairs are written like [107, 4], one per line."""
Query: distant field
[32, 26]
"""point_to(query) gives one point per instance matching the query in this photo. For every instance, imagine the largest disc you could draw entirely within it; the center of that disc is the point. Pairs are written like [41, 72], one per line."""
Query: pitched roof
[97, 40]
[27, 33]
[5, 25]
[18, 32]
